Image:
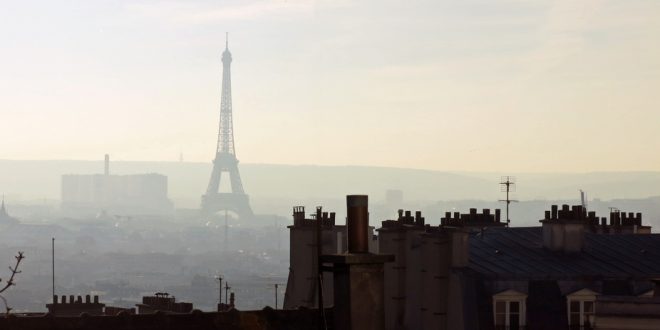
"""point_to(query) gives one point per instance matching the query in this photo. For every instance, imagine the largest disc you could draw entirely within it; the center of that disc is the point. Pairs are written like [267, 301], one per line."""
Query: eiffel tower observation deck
[235, 201]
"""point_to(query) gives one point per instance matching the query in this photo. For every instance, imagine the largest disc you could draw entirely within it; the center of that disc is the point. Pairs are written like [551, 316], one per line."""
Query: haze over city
[317, 164]
[544, 86]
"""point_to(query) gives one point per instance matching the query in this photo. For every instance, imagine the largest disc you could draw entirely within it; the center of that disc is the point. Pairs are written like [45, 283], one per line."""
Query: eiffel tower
[235, 201]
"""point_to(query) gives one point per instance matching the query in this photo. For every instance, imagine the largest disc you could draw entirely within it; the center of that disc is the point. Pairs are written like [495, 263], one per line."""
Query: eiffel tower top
[226, 55]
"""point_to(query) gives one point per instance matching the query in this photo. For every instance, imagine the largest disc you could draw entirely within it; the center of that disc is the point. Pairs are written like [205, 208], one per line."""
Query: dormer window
[581, 309]
[509, 310]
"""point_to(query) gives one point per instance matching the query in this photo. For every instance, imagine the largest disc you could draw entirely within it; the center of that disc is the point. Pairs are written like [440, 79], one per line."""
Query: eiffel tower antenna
[508, 185]
[225, 160]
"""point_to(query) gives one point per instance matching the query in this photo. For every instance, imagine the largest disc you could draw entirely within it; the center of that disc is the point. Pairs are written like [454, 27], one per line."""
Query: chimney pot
[358, 223]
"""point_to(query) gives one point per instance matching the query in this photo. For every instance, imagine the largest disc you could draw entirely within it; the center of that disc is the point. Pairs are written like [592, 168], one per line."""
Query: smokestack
[107, 164]
[357, 223]
[358, 276]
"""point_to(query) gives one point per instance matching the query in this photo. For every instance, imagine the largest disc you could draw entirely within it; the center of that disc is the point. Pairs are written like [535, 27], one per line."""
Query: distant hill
[34, 180]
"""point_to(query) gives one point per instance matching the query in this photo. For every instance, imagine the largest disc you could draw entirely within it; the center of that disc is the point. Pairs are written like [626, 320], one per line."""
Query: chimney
[107, 164]
[357, 223]
[298, 215]
[565, 232]
[358, 276]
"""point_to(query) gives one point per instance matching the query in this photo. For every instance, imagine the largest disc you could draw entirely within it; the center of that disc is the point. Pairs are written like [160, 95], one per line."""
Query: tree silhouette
[9, 283]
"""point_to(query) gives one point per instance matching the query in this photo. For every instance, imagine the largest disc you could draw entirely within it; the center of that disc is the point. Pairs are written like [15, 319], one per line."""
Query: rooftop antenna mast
[219, 279]
[53, 264]
[508, 185]
[227, 287]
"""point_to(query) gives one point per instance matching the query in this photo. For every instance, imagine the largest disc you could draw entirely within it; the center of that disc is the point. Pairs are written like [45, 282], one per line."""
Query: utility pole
[226, 233]
[276, 287]
[226, 292]
[53, 263]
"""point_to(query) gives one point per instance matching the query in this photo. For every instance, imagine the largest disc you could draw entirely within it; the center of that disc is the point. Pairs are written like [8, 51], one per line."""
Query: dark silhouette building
[475, 272]
[163, 302]
[489, 276]
[75, 306]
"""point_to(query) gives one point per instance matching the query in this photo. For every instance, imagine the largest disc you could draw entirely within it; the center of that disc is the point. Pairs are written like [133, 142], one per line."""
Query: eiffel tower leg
[216, 176]
[235, 178]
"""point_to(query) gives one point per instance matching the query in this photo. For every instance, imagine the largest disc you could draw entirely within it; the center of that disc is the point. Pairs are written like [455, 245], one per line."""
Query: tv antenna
[219, 279]
[227, 287]
[508, 185]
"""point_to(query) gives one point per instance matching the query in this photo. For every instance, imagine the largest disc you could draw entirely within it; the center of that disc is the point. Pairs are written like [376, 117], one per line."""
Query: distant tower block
[225, 158]
[107, 164]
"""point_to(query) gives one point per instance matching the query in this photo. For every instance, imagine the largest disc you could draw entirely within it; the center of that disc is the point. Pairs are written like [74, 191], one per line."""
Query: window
[509, 310]
[581, 308]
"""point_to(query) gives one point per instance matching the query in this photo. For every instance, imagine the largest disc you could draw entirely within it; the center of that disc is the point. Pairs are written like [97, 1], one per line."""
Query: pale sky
[476, 85]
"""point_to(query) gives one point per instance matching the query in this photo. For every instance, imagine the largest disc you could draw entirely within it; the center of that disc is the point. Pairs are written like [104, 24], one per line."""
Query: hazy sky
[501, 85]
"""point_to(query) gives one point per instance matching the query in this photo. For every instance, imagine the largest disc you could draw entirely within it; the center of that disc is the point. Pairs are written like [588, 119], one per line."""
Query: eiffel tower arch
[225, 160]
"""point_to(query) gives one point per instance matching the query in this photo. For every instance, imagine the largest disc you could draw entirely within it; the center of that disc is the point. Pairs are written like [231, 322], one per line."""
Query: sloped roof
[519, 253]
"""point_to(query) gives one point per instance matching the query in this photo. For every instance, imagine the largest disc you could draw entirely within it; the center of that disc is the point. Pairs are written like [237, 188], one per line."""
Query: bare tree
[9, 283]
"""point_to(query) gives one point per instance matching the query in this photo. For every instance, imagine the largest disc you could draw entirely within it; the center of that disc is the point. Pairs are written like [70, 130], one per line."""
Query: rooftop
[519, 253]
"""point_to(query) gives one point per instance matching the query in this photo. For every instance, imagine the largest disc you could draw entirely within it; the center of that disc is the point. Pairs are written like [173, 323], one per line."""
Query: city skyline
[510, 86]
